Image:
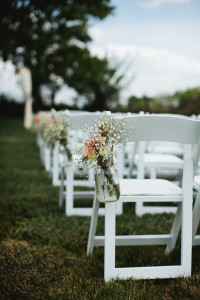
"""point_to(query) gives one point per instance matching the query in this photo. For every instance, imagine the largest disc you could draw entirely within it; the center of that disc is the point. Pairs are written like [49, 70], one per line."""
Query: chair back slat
[79, 120]
[171, 128]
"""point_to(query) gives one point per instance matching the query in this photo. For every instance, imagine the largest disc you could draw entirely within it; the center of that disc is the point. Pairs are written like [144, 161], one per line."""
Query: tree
[188, 101]
[51, 38]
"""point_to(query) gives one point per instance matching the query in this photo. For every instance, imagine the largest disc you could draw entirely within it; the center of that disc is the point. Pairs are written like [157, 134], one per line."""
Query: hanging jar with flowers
[107, 184]
[57, 131]
[65, 153]
[98, 152]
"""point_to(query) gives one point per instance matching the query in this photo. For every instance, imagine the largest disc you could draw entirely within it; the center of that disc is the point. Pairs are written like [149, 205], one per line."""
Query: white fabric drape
[26, 85]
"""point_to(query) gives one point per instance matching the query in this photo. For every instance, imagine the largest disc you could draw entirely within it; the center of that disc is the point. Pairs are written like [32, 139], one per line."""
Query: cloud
[96, 32]
[157, 71]
[155, 3]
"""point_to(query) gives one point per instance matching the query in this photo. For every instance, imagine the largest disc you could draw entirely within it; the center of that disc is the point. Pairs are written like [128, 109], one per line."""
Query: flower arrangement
[98, 151]
[40, 120]
[57, 130]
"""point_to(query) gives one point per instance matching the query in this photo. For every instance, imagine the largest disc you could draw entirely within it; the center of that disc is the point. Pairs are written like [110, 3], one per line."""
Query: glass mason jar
[66, 155]
[107, 184]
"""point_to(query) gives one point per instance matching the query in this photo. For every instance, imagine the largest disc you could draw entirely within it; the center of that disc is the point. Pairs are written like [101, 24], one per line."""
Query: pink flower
[89, 143]
[89, 150]
[37, 120]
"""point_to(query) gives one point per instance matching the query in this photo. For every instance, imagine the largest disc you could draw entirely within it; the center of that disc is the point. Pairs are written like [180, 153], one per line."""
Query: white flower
[106, 135]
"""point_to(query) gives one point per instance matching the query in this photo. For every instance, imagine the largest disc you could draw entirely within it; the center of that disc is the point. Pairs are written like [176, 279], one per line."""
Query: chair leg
[119, 207]
[55, 166]
[69, 190]
[175, 230]
[153, 173]
[109, 249]
[60, 201]
[91, 178]
[139, 208]
[93, 225]
[196, 216]
[47, 161]
[186, 228]
[186, 238]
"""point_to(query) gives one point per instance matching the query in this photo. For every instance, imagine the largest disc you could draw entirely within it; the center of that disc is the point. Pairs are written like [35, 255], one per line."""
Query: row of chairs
[134, 162]
[184, 134]
[64, 174]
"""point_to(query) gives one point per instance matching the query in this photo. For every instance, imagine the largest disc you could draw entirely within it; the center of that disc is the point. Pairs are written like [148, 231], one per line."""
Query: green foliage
[51, 37]
[136, 104]
[43, 252]
[182, 102]
[189, 101]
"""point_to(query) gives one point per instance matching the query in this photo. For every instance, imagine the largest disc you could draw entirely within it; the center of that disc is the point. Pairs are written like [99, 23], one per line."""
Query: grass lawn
[43, 252]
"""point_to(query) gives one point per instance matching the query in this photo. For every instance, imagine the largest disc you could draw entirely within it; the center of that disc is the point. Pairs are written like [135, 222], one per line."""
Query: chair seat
[197, 179]
[166, 148]
[153, 187]
[152, 159]
[196, 183]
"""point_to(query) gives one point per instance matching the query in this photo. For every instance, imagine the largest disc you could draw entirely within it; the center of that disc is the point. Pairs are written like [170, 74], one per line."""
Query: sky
[156, 42]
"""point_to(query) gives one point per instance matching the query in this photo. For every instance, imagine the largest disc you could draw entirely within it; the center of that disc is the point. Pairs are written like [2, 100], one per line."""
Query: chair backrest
[170, 128]
[79, 120]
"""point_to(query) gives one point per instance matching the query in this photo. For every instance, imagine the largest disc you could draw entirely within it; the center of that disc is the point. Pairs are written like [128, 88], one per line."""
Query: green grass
[43, 252]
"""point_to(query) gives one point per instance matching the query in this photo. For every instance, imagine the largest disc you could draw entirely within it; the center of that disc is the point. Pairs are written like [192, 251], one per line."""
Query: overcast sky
[158, 42]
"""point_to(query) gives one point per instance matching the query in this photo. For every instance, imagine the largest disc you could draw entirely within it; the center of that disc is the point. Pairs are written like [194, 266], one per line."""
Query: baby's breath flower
[40, 120]
[56, 130]
[102, 138]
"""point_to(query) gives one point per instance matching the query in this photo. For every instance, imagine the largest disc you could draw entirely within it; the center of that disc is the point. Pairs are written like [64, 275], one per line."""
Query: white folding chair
[68, 180]
[152, 128]
[45, 151]
[67, 191]
[57, 156]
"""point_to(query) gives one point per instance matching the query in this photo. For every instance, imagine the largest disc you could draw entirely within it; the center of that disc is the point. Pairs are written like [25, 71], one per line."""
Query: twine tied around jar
[63, 142]
[106, 164]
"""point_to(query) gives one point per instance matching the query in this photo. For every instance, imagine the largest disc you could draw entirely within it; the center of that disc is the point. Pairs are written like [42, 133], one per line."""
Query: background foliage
[182, 102]
[51, 38]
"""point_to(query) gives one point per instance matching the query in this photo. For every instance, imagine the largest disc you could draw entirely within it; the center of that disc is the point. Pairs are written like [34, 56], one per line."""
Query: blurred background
[141, 55]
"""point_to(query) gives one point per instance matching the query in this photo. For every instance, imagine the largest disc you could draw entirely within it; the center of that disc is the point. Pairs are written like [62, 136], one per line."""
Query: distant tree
[50, 37]
[136, 104]
[189, 101]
